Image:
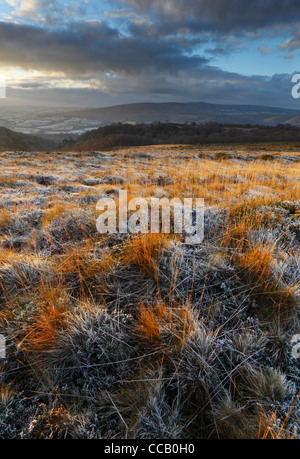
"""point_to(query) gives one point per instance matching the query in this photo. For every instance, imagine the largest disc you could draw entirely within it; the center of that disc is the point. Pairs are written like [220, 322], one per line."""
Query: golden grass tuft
[275, 299]
[165, 326]
[82, 270]
[5, 217]
[143, 252]
[55, 209]
[48, 321]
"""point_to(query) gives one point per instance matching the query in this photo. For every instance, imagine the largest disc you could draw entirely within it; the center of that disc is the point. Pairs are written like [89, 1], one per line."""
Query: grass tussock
[164, 326]
[143, 253]
[24, 274]
[47, 322]
[82, 270]
[272, 295]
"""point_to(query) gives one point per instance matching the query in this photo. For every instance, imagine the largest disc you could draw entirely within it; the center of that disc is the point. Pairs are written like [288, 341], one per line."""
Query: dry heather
[146, 337]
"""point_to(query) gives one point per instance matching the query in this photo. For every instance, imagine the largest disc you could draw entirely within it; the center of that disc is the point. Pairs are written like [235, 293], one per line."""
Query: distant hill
[11, 140]
[60, 122]
[198, 112]
[123, 135]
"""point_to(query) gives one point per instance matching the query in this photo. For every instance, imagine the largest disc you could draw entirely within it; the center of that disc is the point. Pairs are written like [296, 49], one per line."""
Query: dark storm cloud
[155, 57]
[211, 85]
[84, 48]
[220, 15]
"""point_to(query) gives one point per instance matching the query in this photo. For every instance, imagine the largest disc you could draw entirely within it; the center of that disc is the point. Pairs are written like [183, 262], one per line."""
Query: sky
[96, 53]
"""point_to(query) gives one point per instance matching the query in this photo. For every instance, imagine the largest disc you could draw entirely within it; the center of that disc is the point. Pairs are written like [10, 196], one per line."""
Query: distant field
[143, 336]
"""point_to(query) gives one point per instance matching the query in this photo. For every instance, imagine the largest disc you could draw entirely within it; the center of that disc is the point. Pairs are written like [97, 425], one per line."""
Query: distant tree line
[125, 135]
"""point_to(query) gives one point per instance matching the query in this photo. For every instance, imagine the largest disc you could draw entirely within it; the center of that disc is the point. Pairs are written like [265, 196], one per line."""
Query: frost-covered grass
[145, 337]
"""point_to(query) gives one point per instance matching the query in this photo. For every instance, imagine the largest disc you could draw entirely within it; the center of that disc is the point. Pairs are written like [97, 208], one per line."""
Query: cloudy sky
[100, 53]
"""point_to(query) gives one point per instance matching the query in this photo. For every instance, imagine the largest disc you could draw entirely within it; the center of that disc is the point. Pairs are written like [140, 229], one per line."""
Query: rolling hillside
[10, 140]
[197, 112]
[60, 122]
[158, 133]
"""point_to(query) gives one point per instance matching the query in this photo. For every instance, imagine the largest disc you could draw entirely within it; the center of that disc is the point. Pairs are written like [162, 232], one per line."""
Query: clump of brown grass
[159, 418]
[7, 181]
[268, 386]
[270, 427]
[273, 296]
[70, 226]
[143, 252]
[232, 421]
[8, 256]
[55, 209]
[23, 274]
[5, 218]
[83, 270]
[6, 394]
[53, 424]
[165, 326]
[92, 348]
[51, 317]
[242, 219]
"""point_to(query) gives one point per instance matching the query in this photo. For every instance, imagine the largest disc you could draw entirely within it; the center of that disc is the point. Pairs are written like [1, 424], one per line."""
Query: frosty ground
[121, 336]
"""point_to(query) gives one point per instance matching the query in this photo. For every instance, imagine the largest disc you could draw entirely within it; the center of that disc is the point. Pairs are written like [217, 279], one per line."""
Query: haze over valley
[60, 122]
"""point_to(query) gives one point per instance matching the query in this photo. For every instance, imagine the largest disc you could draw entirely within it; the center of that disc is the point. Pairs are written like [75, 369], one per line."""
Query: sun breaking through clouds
[95, 53]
